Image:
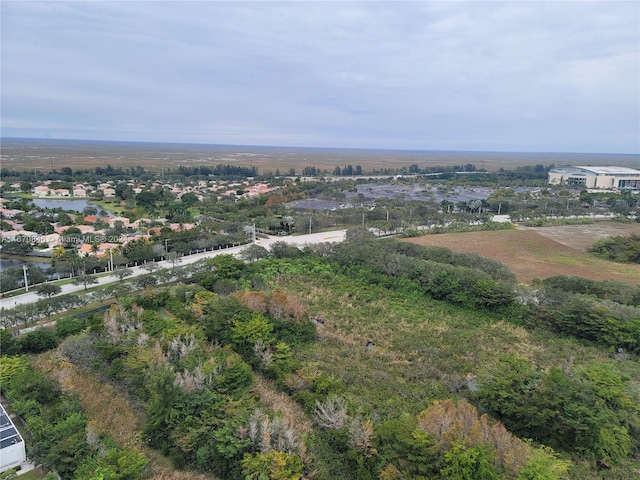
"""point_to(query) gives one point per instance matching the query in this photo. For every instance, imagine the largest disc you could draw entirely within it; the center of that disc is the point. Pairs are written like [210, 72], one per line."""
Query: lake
[11, 262]
[76, 205]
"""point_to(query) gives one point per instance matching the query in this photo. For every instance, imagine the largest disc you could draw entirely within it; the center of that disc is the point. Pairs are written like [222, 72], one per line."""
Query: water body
[11, 262]
[75, 205]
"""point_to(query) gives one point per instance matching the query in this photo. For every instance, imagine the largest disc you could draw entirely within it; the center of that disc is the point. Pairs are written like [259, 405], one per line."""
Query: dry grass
[110, 411]
[281, 404]
[543, 252]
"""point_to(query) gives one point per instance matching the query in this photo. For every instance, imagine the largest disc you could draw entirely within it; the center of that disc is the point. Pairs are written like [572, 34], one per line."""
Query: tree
[90, 211]
[138, 251]
[39, 341]
[463, 462]
[64, 220]
[174, 258]
[254, 252]
[587, 412]
[117, 291]
[144, 281]
[122, 273]
[10, 346]
[188, 200]
[161, 412]
[282, 249]
[48, 290]
[11, 279]
[85, 280]
[68, 326]
[147, 200]
[245, 333]
[150, 267]
[124, 191]
[20, 246]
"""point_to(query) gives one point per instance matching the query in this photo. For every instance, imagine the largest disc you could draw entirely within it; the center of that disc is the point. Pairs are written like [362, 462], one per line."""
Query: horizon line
[155, 142]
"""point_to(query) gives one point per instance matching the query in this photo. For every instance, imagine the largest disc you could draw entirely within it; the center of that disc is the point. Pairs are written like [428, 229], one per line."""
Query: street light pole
[26, 280]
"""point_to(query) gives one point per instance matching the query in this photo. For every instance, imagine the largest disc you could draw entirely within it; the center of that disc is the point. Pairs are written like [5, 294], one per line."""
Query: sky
[540, 76]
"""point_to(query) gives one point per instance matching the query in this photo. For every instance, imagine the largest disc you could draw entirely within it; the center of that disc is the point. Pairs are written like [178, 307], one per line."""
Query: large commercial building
[12, 451]
[596, 178]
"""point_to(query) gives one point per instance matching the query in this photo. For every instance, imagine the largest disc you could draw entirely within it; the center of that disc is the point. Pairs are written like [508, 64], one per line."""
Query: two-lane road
[299, 240]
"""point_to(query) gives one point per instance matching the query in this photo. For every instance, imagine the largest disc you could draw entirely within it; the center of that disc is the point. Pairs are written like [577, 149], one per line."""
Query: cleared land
[542, 252]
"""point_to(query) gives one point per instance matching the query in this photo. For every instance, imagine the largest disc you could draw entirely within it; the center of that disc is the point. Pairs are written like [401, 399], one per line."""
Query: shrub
[618, 249]
[68, 326]
[39, 341]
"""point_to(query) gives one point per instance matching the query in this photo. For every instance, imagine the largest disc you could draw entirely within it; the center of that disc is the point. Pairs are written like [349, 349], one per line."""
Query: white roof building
[12, 450]
[597, 178]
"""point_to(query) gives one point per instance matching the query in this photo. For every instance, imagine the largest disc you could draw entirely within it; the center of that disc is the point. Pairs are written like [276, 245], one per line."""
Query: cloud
[476, 75]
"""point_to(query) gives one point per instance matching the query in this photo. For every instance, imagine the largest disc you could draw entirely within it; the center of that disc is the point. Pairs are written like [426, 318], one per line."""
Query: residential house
[13, 235]
[10, 212]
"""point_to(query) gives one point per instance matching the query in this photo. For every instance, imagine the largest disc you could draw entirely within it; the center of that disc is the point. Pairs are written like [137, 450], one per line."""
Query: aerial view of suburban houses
[90, 230]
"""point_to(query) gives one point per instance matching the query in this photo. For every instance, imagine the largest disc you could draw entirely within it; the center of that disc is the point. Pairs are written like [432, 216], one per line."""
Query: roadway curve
[322, 237]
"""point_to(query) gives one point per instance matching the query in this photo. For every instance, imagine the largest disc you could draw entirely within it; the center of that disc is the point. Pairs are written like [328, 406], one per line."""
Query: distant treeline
[219, 170]
[129, 172]
[462, 173]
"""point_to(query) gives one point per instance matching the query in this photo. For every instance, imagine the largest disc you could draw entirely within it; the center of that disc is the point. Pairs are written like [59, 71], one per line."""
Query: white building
[12, 450]
[596, 178]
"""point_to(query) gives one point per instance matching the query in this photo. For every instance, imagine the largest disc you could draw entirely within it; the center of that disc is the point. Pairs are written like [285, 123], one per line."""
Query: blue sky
[488, 76]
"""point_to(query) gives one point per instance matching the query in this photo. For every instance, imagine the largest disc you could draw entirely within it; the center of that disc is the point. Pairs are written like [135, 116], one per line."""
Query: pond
[12, 262]
[76, 205]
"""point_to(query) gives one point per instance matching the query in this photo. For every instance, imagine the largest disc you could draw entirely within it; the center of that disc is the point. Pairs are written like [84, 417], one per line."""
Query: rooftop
[600, 170]
[8, 433]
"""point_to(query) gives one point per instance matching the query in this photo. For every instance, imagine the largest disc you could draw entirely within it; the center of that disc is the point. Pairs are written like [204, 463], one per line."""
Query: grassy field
[423, 349]
[43, 156]
[542, 252]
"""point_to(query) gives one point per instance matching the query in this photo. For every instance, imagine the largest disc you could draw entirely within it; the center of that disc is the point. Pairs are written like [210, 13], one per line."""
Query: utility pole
[111, 259]
[309, 224]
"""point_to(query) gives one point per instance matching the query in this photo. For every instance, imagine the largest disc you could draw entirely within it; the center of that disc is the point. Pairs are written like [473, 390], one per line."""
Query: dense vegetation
[390, 361]
[618, 249]
[59, 435]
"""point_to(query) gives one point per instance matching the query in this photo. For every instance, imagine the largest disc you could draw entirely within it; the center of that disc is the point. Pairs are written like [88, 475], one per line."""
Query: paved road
[334, 236]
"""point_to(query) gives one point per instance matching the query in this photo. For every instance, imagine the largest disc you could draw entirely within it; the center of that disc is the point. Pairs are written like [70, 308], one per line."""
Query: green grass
[424, 349]
[31, 475]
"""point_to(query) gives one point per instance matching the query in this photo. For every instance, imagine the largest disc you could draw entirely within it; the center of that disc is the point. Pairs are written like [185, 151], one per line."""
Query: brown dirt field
[543, 252]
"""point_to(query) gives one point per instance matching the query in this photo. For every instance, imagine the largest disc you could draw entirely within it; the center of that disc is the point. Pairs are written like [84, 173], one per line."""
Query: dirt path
[543, 252]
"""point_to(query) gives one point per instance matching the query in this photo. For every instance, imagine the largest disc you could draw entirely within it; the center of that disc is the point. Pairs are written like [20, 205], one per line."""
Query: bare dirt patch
[581, 237]
[543, 252]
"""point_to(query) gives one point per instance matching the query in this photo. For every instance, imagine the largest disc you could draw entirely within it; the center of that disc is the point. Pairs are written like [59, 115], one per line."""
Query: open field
[43, 156]
[542, 252]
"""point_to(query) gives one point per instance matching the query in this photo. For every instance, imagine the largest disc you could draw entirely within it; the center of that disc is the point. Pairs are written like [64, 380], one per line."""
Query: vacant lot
[544, 251]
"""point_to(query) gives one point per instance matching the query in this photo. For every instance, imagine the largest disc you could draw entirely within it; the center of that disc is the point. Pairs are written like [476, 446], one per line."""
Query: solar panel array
[8, 433]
